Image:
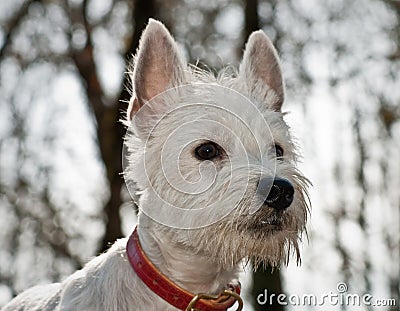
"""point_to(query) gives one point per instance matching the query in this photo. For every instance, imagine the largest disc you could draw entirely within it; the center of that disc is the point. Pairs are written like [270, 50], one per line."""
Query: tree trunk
[262, 279]
[113, 131]
[267, 282]
[252, 22]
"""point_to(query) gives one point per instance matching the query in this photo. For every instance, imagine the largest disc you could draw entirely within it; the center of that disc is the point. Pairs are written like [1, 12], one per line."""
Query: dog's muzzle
[278, 192]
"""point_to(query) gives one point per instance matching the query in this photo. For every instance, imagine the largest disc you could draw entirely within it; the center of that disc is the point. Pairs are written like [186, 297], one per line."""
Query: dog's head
[212, 156]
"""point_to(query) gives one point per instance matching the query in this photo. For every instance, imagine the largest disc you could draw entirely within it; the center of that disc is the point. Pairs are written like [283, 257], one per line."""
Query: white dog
[216, 169]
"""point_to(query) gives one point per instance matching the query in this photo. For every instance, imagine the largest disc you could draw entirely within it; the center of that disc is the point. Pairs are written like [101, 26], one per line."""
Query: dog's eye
[278, 151]
[207, 151]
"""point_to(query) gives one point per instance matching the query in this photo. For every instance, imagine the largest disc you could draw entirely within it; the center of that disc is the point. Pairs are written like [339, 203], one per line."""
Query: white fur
[165, 129]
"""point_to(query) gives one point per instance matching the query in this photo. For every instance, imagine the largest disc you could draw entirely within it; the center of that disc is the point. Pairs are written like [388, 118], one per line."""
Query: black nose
[278, 192]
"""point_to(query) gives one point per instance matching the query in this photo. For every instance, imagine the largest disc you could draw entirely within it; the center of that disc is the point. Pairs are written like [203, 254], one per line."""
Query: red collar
[171, 292]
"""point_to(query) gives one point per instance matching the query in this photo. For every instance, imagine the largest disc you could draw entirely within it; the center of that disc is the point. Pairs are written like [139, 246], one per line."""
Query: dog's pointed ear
[260, 68]
[158, 66]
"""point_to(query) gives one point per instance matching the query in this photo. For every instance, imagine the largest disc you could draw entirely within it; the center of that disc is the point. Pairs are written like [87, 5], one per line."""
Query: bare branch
[13, 24]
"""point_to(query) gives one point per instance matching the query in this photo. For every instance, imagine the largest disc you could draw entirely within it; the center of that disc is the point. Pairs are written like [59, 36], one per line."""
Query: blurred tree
[351, 55]
[75, 24]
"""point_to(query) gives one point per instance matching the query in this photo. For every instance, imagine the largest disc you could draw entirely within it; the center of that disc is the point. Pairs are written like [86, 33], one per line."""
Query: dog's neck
[193, 272]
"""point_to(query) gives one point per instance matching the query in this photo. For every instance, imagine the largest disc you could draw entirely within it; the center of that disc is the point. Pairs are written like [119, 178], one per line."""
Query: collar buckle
[224, 295]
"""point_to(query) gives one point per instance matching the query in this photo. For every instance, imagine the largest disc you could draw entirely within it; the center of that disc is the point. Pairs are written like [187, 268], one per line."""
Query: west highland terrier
[214, 164]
